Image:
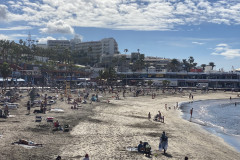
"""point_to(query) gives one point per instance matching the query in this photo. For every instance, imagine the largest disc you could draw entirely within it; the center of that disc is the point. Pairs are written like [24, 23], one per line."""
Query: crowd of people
[143, 147]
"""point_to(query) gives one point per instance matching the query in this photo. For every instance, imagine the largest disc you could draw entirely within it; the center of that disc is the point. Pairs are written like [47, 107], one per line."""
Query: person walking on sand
[163, 142]
[149, 116]
[6, 113]
[28, 107]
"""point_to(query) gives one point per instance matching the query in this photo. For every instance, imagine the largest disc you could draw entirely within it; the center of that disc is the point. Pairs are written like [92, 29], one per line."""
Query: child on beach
[166, 106]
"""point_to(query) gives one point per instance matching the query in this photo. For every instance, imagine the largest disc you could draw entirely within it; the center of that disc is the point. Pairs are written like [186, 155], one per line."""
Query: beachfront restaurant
[186, 79]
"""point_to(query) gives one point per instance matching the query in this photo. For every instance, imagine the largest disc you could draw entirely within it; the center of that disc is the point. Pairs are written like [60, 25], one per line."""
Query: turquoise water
[220, 117]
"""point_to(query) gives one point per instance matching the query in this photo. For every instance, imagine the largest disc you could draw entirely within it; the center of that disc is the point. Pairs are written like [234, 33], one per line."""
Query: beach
[104, 130]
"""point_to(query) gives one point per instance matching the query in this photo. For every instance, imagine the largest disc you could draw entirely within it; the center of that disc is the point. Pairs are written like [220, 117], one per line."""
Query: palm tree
[21, 41]
[125, 50]
[203, 66]
[67, 55]
[194, 65]
[174, 65]
[5, 46]
[191, 60]
[186, 65]
[165, 83]
[212, 64]
[5, 71]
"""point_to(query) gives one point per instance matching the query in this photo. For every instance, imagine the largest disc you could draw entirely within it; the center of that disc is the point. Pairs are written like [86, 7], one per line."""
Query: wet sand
[104, 130]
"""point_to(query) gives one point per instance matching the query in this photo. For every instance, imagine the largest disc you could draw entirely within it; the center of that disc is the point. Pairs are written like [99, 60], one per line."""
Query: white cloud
[199, 43]
[222, 45]
[20, 35]
[4, 37]
[3, 12]
[226, 51]
[45, 39]
[58, 27]
[14, 37]
[62, 15]
[16, 28]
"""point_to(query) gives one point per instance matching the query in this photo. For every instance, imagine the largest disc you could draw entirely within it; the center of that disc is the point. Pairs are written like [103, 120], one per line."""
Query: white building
[92, 48]
[59, 45]
[42, 46]
[106, 46]
[73, 42]
[109, 46]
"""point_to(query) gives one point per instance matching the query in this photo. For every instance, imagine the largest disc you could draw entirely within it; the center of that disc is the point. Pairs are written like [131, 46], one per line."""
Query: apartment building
[160, 64]
[59, 45]
[109, 46]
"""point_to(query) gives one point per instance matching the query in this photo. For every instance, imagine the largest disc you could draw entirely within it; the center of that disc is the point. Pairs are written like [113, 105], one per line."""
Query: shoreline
[104, 130]
[231, 139]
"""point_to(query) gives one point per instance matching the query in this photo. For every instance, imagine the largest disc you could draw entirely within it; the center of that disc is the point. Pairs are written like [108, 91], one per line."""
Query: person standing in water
[191, 112]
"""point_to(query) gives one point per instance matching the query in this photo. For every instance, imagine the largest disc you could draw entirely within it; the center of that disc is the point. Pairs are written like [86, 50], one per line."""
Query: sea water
[220, 117]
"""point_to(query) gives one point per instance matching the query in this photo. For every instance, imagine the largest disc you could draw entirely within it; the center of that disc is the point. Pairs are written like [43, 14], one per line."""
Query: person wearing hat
[86, 157]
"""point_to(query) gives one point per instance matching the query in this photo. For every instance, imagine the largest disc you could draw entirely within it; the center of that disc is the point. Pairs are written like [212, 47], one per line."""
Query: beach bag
[160, 146]
[66, 128]
[148, 148]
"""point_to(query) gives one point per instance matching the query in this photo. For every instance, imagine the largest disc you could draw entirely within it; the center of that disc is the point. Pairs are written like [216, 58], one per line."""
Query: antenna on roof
[29, 40]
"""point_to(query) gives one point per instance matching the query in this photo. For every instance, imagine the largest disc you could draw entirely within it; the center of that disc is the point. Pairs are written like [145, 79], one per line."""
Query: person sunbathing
[140, 147]
[25, 142]
[57, 125]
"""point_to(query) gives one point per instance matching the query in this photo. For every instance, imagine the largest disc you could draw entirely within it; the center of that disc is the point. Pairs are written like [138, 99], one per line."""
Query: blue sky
[208, 30]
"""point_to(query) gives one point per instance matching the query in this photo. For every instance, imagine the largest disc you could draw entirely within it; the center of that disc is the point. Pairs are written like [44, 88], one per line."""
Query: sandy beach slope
[104, 130]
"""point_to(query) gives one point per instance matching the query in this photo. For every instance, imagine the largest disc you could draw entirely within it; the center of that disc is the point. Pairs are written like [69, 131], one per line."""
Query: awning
[10, 79]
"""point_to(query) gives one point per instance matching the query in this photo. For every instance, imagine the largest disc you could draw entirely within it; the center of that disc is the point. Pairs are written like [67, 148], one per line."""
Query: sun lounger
[38, 119]
[50, 119]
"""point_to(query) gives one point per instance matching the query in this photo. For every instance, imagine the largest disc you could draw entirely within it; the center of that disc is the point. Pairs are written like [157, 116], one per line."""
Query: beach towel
[27, 144]
[57, 110]
[132, 149]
